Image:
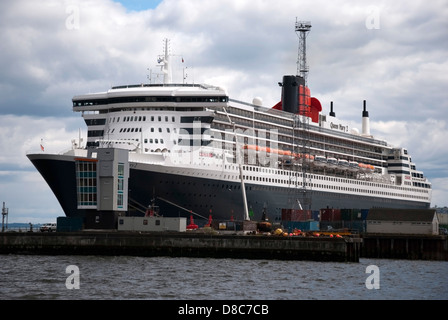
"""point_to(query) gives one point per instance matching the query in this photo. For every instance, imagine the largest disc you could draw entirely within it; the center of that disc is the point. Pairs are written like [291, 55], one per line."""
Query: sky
[393, 54]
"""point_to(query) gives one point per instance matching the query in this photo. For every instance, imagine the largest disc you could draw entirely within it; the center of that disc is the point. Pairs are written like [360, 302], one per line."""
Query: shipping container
[296, 215]
[330, 225]
[69, 224]
[346, 214]
[356, 214]
[301, 225]
[364, 214]
[286, 214]
[351, 214]
[355, 225]
[301, 215]
[330, 214]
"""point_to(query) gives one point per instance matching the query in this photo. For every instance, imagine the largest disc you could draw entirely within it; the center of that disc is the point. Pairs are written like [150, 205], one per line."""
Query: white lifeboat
[332, 162]
[320, 161]
[343, 164]
[353, 166]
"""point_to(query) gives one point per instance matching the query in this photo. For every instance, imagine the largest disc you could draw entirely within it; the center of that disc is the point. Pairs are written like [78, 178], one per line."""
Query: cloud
[421, 137]
[99, 43]
[28, 197]
[24, 134]
[52, 50]
[423, 140]
[440, 190]
[25, 192]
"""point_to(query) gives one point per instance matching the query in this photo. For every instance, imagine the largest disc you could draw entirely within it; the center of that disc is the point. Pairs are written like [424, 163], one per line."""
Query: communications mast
[302, 29]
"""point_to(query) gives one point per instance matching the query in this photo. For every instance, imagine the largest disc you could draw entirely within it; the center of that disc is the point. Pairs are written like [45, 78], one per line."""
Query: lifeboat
[343, 164]
[366, 167]
[353, 166]
[320, 161]
[286, 154]
[332, 162]
[253, 147]
[301, 157]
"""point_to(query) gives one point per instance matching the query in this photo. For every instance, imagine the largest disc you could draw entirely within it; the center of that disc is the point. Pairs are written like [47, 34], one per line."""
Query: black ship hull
[200, 197]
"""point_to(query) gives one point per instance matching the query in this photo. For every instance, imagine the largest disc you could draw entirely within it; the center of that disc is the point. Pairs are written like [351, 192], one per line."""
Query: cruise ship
[193, 150]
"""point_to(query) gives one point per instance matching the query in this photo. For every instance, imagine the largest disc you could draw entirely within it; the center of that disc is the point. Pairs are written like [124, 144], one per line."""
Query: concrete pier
[183, 244]
[402, 246]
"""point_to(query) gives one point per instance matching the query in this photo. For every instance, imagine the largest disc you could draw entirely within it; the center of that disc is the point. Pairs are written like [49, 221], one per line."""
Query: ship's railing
[169, 85]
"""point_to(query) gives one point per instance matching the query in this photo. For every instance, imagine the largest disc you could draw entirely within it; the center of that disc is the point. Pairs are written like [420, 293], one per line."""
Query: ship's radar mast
[302, 30]
[166, 64]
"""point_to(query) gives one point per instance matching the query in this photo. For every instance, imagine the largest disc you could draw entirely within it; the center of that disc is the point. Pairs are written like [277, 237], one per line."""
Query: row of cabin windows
[130, 130]
[185, 119]
[168, 130]
[156, 141]
[143, 118]
[123, 130]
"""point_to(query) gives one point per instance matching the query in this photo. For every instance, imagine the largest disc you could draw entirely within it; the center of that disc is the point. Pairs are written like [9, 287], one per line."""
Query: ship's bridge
[152, 95]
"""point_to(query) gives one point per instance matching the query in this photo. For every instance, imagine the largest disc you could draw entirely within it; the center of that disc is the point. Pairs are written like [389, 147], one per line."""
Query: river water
[165, 278]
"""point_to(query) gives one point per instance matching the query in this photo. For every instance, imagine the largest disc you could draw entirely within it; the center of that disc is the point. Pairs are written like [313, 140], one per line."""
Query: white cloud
[23, 134]
[440, 190]
[25, 192]
[425, 141]
[28, 197]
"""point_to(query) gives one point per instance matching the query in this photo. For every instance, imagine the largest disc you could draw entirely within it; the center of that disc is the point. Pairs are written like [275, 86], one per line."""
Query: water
[165, 278]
